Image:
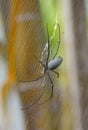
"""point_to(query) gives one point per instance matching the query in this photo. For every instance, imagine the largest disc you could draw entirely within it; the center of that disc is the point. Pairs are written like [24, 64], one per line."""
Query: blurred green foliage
[51, 14]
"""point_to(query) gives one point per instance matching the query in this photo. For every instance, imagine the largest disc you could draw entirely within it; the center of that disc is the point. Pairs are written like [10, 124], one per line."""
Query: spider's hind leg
[29, 106]
[56, 73]
[52, 85]
[51, 95]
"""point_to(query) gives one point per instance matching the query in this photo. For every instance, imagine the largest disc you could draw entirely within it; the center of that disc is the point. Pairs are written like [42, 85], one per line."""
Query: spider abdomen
[55, 63]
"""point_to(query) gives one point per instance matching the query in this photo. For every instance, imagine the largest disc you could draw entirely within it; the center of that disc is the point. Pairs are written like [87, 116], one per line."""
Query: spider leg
[45, 101]
[52, 85]
[32, 80]
[48, 48]
[29, 106]
[37, 78]
[58, 42]
[56, 73]
[39, 61]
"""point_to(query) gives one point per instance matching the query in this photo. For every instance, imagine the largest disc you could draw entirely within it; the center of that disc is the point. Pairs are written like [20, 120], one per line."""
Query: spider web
[26, 91]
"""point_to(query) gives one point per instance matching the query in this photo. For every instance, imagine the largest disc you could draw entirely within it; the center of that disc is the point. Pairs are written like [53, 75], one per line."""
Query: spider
[48, 66]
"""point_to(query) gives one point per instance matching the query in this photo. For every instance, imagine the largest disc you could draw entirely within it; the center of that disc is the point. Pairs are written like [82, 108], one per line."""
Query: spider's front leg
[58, 43]
[47, 59]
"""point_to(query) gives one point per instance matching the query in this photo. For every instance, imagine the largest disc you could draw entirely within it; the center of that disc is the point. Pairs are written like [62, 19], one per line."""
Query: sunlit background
[23, 35]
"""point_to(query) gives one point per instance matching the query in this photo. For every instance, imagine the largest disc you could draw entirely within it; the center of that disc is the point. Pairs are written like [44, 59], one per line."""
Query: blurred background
[23, 34]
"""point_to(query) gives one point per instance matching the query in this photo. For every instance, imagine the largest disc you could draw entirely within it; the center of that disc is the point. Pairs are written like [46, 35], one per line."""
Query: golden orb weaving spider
[48, 66]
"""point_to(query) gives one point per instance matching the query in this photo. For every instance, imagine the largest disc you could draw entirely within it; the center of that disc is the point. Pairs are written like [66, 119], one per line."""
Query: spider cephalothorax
[48, 66]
